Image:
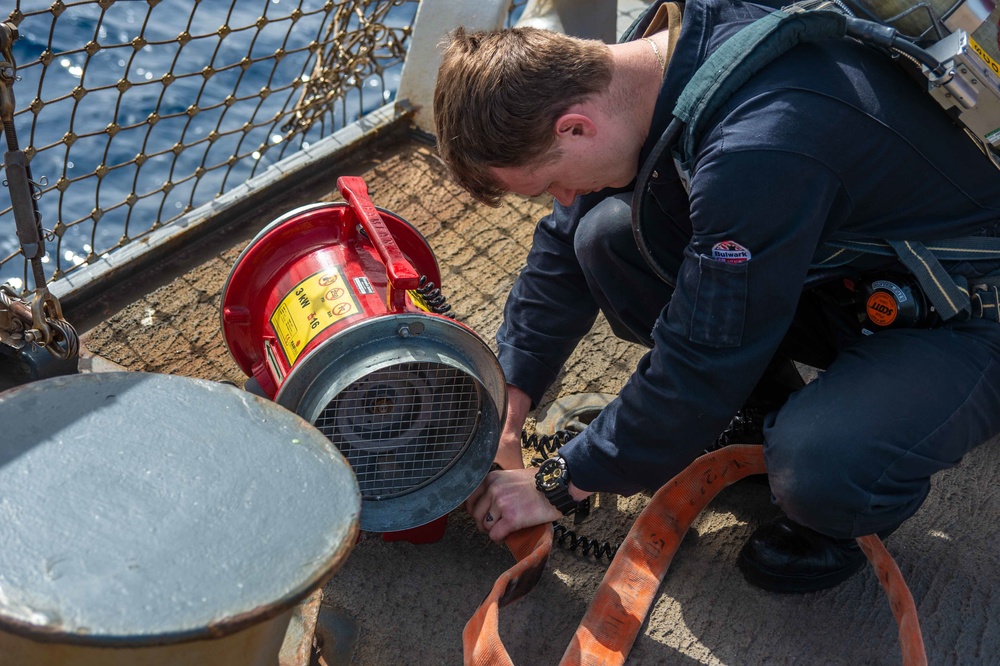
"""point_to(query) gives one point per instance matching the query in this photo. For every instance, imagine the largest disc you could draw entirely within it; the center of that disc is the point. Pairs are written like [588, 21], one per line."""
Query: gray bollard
[150, 520]
[589, 19]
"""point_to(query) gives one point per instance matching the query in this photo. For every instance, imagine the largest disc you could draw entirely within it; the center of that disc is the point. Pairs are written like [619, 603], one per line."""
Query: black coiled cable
[434, 298]
[570, 540]
[545, 446]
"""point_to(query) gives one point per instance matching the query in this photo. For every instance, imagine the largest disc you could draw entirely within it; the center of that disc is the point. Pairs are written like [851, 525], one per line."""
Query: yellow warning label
[314, 304]
[417, 299]
[985, 56]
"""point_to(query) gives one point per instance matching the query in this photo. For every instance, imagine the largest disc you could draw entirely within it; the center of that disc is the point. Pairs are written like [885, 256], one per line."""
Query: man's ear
[575, 125]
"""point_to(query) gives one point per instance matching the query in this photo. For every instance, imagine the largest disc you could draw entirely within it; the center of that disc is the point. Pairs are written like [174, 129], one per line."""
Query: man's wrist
[578, 494]
[553, 480]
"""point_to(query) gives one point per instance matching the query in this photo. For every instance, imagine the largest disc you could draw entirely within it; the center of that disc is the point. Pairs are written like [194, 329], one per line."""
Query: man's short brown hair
[499, 94]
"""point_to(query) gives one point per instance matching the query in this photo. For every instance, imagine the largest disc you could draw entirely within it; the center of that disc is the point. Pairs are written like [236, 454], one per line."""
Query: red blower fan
[334, 310]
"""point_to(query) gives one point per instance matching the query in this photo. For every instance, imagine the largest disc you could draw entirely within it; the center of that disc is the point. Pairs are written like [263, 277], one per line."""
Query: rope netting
[133, 113]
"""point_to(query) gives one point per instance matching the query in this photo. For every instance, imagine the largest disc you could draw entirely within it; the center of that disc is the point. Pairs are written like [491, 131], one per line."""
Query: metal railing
[133, 113]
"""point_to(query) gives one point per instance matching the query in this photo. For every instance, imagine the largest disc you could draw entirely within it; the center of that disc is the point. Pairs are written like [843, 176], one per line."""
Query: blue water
[79, 24]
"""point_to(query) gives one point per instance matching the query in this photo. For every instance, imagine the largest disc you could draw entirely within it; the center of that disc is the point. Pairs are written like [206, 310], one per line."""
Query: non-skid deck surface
[410, 602]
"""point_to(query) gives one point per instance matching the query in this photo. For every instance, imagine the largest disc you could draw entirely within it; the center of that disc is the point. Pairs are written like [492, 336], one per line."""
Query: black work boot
[783, 556]
[779, 381]
[747, 427]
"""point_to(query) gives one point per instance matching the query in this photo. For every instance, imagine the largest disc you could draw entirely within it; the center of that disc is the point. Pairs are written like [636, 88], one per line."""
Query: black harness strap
[740, 57]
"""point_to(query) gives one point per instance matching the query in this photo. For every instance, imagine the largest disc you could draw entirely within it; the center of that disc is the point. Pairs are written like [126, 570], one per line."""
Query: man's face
[587, 162]
[564, 179]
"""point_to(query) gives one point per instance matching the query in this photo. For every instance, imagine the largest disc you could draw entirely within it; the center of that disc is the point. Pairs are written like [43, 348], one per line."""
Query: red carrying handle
[399, 271]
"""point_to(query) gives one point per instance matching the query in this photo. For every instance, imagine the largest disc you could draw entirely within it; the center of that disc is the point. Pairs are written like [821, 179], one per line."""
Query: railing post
[434, 20]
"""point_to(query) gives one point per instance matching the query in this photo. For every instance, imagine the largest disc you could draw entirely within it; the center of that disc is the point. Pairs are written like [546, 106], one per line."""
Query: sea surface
[71, 68]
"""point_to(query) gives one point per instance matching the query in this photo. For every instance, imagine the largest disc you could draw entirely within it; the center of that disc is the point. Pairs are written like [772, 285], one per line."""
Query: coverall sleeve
[725, 321]
[549, 308]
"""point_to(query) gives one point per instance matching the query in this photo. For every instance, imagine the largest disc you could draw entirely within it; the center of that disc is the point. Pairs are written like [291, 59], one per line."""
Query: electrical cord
[569, 540]
[888, 37]
[545, 446]
[434, 298]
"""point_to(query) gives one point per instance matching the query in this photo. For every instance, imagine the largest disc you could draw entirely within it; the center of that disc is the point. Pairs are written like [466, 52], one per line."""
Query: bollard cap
[140, 509]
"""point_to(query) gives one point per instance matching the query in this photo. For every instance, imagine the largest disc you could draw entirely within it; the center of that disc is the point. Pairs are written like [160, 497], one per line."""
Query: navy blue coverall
[830, 141]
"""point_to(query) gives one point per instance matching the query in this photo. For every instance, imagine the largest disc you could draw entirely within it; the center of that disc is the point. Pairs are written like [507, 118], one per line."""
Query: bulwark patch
[730, 252]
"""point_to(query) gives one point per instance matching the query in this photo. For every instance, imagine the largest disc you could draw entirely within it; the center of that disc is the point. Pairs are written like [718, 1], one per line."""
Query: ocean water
[70, 195]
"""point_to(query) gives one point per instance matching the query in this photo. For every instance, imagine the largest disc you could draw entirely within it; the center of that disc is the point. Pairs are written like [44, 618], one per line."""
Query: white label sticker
[272, 362]
[363, 285]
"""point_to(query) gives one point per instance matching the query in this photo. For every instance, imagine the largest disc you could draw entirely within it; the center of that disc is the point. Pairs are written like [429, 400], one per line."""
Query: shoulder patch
[730, 252]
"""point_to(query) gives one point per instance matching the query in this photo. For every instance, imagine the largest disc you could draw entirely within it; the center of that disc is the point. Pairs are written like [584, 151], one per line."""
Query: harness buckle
[976, 300]
[985, 299]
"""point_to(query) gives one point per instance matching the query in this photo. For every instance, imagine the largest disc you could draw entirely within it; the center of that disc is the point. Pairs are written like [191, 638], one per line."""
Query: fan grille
[402, 426]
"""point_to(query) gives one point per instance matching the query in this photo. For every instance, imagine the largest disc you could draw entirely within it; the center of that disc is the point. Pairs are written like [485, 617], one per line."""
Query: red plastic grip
[399, 271]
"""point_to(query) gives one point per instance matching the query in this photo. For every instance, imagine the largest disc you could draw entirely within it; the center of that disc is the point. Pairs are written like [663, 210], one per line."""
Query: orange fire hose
[612, 622]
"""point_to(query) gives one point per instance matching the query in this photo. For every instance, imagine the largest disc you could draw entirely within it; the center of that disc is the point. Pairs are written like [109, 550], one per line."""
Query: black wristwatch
[552, 479]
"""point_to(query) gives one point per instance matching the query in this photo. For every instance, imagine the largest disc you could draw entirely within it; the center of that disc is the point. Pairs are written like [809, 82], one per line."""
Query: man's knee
[628, 293]
[604, 232]
[827, 481]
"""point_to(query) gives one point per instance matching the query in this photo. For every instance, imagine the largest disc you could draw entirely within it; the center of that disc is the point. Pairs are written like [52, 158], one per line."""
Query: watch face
[550, 474]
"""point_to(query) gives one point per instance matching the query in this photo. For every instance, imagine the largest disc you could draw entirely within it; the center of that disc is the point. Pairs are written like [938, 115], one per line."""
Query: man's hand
[509, 453]
[508, 501]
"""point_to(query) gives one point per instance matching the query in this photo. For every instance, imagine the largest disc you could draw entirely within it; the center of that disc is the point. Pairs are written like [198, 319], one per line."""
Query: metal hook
[36, 189]
[8, 35]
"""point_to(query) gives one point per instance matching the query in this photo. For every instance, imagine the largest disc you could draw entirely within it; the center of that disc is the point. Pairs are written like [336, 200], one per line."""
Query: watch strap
[558, 495]
[562, 500]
